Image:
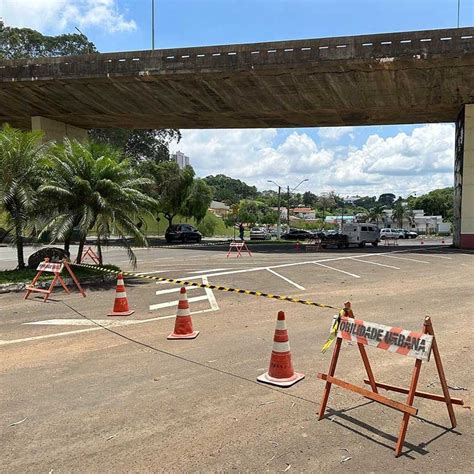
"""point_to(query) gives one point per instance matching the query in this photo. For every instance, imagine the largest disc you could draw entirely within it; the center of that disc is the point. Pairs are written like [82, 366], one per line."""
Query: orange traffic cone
[183, 327]
[281, 371]
[121, 302]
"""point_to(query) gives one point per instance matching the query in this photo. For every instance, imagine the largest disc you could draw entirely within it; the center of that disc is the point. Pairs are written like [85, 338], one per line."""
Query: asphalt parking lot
[98, 394]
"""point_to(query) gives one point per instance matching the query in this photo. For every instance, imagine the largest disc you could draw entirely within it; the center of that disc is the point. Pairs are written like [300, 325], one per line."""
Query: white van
[361, 234]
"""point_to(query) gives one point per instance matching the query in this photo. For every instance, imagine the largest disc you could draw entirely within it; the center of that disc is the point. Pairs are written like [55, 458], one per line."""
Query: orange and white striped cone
[281, 371]
[183, 326]
[121, 302]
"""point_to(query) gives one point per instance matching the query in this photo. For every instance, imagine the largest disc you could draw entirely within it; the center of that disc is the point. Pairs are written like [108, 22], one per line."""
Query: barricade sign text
[392, 339]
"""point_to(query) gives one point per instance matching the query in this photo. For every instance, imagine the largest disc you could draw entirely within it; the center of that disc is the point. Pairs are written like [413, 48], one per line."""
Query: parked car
[389, 234]
[410, 234]
[298, 234]
[182, 233]
[260, 233]
[401, 233]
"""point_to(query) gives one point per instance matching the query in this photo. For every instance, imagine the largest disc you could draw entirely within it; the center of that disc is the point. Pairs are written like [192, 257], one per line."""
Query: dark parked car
[298, 234]
[182, 233]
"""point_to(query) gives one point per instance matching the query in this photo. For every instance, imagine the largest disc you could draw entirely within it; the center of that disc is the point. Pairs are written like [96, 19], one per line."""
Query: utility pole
[152, 24]
[288, 208]
[459, 8]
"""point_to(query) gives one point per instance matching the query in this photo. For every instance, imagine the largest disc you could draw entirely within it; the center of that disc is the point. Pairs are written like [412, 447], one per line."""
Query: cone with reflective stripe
[183, 326]
[281, 371]
[121, 302]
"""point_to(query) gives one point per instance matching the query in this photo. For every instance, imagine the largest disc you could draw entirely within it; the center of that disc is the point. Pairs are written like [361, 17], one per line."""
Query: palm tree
[92, 187]
[399, 213]
[20, 154]
[376, 213]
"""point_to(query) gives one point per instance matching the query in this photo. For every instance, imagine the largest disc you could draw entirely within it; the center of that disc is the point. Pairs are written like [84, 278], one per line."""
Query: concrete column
[464, 180]
[54, 130]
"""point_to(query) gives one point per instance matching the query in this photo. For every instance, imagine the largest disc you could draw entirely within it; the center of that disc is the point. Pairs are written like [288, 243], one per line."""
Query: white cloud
[54, 16]
[335, 133]
[421, 160]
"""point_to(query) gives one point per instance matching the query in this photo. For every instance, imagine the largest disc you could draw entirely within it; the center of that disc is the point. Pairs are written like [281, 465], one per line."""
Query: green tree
[197, 201]
[309, 199]
[386, 199]
[376, 213]
[139, 145]
[171, 187]
[230, 190]
[18, 43]
[20, 156]
[91, 187]
[326, 201]
[437, 202]
[399, 213]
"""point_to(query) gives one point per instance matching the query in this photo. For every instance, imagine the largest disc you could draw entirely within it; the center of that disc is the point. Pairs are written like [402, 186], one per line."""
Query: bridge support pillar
[463, 236]
[54, 130]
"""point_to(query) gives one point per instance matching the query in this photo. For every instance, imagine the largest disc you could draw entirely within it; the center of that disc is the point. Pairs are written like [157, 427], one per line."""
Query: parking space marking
[287, 279]
[356, 259]
[206, 271]
[98, 328]
[404, 258]
[210, 295]
[434, 256]
[167, 304]
[337, 270]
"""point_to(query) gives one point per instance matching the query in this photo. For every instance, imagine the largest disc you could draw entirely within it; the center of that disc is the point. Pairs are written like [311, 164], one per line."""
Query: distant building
[419, 222]
[303, 212]
[219, 208]
[180, 158]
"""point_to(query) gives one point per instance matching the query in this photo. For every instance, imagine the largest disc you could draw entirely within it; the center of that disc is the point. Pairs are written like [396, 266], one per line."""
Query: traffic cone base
[192, 335]
[265, 378]
[121, 313]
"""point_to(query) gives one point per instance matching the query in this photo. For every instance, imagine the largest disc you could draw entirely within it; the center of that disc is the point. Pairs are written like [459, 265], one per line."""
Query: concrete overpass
[412, 77]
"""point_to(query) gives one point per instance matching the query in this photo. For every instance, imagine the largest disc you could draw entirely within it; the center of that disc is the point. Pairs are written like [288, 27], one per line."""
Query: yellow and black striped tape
[204, 285]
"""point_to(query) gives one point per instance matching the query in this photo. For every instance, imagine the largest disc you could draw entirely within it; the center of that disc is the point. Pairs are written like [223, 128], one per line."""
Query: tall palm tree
[399, 213]
[92, 187]
[20, 156]
[376, 213]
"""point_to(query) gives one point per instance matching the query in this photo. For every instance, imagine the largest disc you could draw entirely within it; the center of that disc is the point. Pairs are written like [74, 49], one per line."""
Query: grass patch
[26, 275]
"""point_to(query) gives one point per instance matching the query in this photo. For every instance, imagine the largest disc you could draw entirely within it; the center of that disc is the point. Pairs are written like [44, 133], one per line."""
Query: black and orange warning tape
[207, 285]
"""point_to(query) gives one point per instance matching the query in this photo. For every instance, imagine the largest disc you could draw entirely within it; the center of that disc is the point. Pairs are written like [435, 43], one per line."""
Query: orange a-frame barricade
[56, 269]
[239, 248]
[91, 254]
[409, 343]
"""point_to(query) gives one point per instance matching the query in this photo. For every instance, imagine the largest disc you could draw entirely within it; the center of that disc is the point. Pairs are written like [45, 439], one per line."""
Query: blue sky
[364, 160]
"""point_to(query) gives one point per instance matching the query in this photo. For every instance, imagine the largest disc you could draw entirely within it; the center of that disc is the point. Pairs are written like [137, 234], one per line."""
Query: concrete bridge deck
[395, 78]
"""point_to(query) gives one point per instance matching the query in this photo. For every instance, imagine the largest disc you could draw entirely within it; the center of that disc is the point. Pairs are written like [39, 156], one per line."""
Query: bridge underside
[366, 80]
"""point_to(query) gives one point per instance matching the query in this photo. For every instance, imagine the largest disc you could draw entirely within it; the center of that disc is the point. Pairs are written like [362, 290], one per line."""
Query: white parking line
[287, 280]
[167, 304]
[405, 258]
[337, 270]
[210, 295]
[434, 256]
[206, 271]
[78, 331]
[374, 263]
